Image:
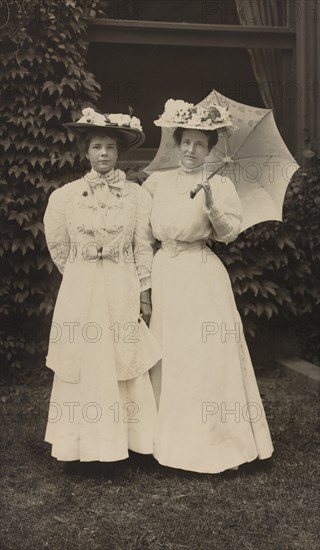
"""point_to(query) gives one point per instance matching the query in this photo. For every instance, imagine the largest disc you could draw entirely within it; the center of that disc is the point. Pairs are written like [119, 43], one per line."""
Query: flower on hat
[125, 120]
[174, 106]
[135, 123]
[177, 110]
[219, 114]
[119, 119]
[90, 116]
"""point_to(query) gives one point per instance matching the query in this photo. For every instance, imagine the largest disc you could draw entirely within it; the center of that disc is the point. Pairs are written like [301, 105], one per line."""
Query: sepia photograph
[160, 274]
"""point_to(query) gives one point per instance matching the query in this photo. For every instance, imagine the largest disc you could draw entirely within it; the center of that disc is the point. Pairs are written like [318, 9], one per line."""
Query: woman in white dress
[211, 417]
[98, 234]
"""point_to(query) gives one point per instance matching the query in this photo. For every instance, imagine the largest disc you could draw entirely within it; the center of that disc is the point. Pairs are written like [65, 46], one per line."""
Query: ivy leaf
[19, 217]
[35, 228]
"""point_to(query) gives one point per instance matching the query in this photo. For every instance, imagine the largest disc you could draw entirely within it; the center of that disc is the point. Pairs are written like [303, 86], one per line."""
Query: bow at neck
[113, 178]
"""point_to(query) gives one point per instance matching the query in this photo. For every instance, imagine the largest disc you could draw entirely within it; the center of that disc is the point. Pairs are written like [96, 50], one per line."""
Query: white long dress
[102, 403]
[211, 417]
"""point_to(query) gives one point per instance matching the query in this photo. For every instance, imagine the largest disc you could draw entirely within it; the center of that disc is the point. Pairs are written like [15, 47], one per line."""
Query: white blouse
[175, 216]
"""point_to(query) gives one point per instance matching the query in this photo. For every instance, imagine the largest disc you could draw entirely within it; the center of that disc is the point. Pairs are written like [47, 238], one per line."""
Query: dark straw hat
[128, 126]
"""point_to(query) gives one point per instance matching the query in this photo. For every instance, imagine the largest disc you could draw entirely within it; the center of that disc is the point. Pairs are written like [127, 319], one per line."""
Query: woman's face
[102, 153]
[193, 148]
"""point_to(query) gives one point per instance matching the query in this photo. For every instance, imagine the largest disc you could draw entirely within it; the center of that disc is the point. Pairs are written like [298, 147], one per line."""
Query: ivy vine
[45, 82]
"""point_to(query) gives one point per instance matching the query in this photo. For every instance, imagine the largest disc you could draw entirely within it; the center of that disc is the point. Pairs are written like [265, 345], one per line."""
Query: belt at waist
[93, 252]
[173, 247]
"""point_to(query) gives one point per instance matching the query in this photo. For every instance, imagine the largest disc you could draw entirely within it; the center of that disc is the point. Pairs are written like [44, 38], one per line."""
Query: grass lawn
[137, 504]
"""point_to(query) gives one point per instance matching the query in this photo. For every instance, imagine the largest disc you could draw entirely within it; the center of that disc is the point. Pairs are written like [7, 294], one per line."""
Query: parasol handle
[195, 190]
[198, 187]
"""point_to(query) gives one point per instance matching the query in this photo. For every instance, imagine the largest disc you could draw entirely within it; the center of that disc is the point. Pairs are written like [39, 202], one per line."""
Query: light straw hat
[180, 114]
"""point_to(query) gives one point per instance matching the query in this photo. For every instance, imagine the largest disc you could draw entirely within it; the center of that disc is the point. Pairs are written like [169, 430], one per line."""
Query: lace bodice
[105, 216]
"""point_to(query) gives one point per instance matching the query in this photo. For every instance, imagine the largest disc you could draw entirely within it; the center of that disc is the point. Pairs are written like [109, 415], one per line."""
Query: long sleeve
[143, 239]
[56, 231]
[151, 183]
[226, 214]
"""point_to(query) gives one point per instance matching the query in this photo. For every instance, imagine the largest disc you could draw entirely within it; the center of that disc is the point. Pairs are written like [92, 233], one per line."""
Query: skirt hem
[207, 470]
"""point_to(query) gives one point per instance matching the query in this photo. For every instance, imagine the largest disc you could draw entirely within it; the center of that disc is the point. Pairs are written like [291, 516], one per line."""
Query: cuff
[143, 271]
[213, 212]
[225, 230]
[145, 283]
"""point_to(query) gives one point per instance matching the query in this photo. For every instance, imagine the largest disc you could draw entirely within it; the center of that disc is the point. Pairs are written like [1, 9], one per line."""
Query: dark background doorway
[146, 76]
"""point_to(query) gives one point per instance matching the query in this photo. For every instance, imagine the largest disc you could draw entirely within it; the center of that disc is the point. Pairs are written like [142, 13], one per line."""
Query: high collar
[191, 171]
[114, 178]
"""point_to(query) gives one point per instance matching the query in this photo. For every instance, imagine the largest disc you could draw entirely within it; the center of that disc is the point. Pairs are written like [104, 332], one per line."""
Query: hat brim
[132, 136]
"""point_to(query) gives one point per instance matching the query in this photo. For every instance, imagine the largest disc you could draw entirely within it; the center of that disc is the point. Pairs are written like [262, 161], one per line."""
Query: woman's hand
[208, 195]
[145, 305]
[145, 311]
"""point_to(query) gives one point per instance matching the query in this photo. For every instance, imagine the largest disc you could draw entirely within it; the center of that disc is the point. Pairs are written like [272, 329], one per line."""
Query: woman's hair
[212, 136]
[86, 137]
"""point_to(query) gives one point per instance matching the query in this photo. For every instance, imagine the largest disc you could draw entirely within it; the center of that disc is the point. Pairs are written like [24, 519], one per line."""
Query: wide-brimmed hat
[180, 114]
[129, 127]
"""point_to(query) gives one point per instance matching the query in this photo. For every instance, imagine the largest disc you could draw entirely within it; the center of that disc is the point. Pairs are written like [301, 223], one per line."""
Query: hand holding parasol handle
[195, 190]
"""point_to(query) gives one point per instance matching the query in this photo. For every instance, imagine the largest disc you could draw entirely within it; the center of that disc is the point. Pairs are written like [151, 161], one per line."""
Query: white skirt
[94, 420]
[94, 415]
[211, 417]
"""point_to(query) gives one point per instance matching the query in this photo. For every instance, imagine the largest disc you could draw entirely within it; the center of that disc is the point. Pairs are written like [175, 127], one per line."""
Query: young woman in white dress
[211, 417]
[98, 234]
